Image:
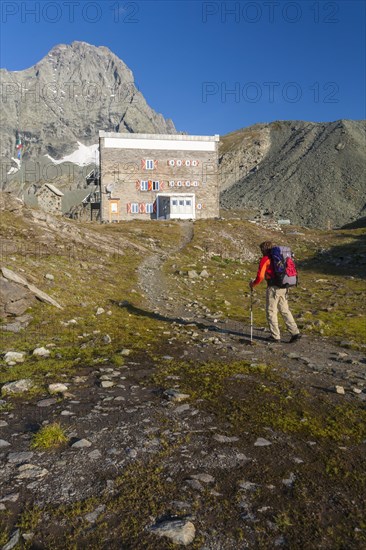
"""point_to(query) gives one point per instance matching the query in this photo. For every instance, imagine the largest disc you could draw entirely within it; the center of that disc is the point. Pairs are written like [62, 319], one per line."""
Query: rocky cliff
[60, 104]
[311, 173]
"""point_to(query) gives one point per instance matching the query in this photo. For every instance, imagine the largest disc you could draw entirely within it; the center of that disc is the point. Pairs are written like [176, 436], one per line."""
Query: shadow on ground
[347, 258]
[199, 324]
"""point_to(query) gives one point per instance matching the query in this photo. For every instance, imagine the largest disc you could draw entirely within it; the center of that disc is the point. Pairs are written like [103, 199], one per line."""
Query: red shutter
[143, 164]
[142, 208]
[155, 164]
[149, 185]
[128, 208]
[161, 185]
[138, 184]
[197, 161]
[154, 207]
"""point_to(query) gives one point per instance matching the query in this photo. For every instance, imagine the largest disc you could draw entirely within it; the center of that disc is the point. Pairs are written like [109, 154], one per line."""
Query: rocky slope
[312, 173]
[65, 99]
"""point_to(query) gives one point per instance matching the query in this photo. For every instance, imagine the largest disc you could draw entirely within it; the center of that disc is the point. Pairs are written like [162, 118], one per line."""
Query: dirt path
[317, 362]
[152, 280]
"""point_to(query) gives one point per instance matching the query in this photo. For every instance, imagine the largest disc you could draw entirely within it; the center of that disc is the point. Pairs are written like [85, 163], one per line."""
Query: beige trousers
[276, 299]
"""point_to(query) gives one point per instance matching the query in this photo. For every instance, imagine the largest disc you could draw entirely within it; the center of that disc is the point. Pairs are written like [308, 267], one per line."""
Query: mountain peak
[71, 94]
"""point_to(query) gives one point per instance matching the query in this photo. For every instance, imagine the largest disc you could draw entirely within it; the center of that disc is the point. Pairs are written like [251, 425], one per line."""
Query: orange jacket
[265, 271]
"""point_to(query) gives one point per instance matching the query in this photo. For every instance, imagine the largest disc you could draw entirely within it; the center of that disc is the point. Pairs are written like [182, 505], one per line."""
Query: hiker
[276, 297]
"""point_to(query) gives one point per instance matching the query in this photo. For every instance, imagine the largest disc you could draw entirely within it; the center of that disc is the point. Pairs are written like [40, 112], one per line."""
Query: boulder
[19, 386]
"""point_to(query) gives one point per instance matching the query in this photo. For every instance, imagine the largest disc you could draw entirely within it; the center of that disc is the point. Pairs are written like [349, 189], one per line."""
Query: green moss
[29, 519]
[49, 437]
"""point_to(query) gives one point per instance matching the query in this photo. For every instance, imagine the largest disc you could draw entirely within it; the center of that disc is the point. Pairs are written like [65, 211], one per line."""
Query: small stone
[340, 390]
[192, 274]
[99, 311]
[11, 497]
[20, 457]
[13, 541]
[195, 484]
[81, 444]
[225, 438]
[47, 402]
[57, 388]
[204, 274]
[66, 413]
[3, 423]
[95, 454]
[132, 453]
[106, 339]
[4, 444]
[175, 395]
[14, 357]
[30, 471]
[41, 352]
[125, 352]
[261, 442]
[182, 408]
[205, 478]
[178, 531]
[357, 390]
[49, 276]
[290, 481]
[107, 384]
[247, 485]
[93, 516]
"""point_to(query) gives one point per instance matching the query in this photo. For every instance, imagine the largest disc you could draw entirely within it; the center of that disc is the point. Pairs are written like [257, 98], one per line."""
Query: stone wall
[123, 169]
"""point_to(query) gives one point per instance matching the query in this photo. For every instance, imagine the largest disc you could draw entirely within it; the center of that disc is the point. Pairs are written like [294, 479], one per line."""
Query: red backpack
[284, 268]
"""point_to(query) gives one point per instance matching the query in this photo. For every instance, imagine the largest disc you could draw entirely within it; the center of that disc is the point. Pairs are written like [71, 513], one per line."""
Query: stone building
[158, 176]
[50, 199]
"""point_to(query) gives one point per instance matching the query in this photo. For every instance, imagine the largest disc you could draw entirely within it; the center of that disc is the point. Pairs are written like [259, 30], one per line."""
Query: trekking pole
[251, 315]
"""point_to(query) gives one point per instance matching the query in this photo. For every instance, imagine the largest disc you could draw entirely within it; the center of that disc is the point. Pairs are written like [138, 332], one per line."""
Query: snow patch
[84, 155]
[14, 169]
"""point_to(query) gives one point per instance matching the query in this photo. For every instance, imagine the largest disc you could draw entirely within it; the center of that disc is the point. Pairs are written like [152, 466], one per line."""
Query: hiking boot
[295, 337]
[273, 340]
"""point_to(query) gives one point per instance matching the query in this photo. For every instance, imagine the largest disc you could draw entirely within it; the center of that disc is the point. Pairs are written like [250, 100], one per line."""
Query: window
[149, 164]
[188, 202]
[172, 163]
[188, 183]
[194, 163]
[181, 203]
[134, 208]
[179, 183]
[171, 183]
[149, 208]
[199, 206]
[144, 185]
[155, 186]
[179, 163]
[174, 202]
[188, 163]
[195, 183]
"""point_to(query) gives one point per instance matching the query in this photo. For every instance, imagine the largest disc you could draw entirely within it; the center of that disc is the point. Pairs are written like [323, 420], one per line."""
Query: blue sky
[212, 66]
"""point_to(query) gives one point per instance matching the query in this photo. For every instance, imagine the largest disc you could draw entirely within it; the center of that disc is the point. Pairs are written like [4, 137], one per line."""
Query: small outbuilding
[50, 199]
